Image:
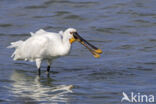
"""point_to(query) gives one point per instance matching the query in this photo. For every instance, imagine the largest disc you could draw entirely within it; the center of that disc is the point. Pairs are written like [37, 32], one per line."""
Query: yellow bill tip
[96, 55]
[98, 51]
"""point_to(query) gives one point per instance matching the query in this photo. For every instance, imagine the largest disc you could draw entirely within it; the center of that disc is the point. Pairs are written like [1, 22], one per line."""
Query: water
[124, 29]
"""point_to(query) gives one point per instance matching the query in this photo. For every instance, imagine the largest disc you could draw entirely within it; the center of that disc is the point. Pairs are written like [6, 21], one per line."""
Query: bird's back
[39, 45]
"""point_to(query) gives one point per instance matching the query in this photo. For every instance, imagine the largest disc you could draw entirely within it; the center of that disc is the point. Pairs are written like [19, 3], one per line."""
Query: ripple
[126, 46]
[2, 101]
[152, 40]
[107, 30]
[150, 63]
[61, 13]
[141, 21]
[144, 69]
[109, 74]
[35, 7]
[70, 2]
[115, 6]
[74, 17]
[14, 35]
[148, 48]
[100, 41]
[5, 25]
[42, 16]
[6, 81]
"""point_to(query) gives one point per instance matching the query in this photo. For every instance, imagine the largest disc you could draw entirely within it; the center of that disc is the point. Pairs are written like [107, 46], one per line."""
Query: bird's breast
[58, 49]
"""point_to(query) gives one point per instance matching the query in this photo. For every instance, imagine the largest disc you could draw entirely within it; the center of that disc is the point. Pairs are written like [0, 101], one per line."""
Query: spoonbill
[43, 45]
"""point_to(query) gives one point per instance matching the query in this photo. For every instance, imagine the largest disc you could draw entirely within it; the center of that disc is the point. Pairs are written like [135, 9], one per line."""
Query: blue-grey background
[124, 29]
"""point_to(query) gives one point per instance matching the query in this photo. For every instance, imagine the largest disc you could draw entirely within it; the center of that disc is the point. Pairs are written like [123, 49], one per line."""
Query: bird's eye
[71, 32]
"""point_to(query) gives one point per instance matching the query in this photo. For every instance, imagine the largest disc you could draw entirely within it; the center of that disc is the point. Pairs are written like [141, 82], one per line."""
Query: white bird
[44, 45]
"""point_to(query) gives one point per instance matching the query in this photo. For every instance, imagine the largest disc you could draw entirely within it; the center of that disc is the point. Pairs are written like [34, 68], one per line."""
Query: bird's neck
[66, 42]
[66, 45]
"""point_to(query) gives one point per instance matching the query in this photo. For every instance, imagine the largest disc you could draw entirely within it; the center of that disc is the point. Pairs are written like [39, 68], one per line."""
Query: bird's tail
[15, 44]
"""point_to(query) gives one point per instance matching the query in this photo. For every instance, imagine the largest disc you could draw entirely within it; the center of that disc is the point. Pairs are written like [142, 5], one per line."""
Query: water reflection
[38, 89]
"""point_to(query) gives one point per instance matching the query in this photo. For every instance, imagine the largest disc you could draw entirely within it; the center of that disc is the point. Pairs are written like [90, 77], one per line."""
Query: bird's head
[74, 36]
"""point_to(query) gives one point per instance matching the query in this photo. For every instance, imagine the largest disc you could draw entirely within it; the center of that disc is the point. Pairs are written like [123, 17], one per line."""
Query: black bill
[94, 50]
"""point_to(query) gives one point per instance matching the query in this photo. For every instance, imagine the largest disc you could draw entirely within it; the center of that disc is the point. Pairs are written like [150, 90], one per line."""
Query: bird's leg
[48, 70]
[38, 64]
[39, 71]
[48, 67]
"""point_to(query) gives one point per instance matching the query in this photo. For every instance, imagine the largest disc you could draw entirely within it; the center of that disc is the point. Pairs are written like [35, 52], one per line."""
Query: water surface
[124, 29]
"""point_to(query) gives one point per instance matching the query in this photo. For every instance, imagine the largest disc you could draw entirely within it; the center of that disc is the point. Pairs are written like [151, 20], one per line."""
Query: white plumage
[44, 45]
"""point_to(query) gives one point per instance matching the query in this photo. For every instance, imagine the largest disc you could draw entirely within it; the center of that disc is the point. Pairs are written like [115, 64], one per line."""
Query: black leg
[39, 71]
[48, 69]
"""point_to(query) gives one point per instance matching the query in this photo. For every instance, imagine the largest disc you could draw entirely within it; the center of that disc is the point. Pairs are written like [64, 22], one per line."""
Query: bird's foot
[39, 72]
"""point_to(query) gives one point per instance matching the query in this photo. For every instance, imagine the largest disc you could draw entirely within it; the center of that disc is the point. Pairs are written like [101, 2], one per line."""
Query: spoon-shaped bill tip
[96, 55]
[99, 51]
